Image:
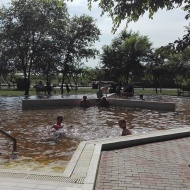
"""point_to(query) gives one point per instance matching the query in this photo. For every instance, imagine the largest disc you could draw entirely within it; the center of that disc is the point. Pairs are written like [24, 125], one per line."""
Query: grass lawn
[149, 91]
[14, 92]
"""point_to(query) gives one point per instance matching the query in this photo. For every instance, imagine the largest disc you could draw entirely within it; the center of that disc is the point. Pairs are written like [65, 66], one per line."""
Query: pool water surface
[38, 150]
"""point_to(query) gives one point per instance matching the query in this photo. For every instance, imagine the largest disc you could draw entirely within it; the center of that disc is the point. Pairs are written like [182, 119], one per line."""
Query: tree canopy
[132, 10]
[40, 36]
[126, 55]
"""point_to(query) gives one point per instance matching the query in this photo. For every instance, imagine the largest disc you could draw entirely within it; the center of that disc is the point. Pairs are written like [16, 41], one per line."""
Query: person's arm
[126, 132]
[81, 103]
[129, 132]
[54, 126]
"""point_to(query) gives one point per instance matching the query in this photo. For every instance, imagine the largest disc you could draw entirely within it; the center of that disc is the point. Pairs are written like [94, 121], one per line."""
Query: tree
[126, 56]
[48, 59]
[178, 66]
[81, 34]
[25, 25]
[156, 68]
[5, 67]
[87, 76]
[167, 64]
[132, 10]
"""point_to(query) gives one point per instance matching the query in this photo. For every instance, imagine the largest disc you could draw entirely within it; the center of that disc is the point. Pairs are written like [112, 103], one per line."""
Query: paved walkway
[163, 165]
[156, 166]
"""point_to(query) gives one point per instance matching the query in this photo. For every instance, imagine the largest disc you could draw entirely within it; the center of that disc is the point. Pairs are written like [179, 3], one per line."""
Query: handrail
[12, 138]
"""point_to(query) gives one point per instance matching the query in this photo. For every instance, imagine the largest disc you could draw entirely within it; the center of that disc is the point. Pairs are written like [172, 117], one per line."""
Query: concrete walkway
[163, 164]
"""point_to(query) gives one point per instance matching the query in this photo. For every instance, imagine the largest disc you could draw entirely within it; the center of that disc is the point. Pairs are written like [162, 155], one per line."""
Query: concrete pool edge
[128, 103]
[124, 142]
[82, 169]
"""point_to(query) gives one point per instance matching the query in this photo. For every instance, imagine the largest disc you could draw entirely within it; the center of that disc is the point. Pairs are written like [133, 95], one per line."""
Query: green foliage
[80, 37]
[149, 91]
[169, 65]
[5, 92]
[125, 56]
[25, 32]
[178, 66]
[12, 92]
[87, 75]
[132, 10]
[39, 37]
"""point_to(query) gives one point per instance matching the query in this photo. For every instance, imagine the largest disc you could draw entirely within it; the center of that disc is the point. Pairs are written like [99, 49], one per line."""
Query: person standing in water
[85, 102]
[141, 97]
[104, 102]
[123, 125]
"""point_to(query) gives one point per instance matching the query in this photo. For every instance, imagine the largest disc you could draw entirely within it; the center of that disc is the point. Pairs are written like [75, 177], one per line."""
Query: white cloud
[166, 26]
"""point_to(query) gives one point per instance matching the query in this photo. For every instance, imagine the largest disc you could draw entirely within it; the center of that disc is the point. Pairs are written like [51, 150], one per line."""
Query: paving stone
[161, 165]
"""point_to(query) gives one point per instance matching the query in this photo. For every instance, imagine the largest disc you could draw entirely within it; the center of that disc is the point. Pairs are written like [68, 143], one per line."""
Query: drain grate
[80, 180]
[53, 178]
[12, 175]
[41, 177]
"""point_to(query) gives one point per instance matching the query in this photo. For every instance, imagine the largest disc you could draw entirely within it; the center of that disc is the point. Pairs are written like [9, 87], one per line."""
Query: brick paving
[156, 166]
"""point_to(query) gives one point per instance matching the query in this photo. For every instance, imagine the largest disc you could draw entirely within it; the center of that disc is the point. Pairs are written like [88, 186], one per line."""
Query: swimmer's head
[59, 118]
[84, 97]
[122, 122]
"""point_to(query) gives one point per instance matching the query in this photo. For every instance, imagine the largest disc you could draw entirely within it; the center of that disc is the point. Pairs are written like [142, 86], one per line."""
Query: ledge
[56, 103]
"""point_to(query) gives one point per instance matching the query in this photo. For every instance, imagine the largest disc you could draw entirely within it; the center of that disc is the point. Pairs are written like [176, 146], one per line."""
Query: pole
[12, 138]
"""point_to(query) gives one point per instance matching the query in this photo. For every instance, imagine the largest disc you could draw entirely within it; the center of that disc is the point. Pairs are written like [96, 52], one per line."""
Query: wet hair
[84, 97]
[60, 117]
[121, 119]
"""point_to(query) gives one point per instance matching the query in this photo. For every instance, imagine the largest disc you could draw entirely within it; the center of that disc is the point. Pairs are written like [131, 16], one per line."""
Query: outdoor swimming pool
[39, 152]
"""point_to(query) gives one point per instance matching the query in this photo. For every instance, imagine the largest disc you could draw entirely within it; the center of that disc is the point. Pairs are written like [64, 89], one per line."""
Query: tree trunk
[26, 86]
[0, 81]
[62, 82]
[161, 85]
[47, 78]
[156, 86]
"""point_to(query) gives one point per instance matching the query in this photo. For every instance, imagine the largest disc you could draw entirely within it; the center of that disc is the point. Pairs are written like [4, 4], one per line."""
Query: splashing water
[41, 149]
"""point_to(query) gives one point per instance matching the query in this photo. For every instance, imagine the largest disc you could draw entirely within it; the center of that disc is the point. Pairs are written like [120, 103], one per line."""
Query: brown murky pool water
[38, 150]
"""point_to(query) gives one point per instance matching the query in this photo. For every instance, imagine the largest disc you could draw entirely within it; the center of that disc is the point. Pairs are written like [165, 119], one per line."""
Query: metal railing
[12, 138]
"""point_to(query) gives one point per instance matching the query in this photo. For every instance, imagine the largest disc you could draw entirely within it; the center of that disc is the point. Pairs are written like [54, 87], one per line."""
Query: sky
[164, 28]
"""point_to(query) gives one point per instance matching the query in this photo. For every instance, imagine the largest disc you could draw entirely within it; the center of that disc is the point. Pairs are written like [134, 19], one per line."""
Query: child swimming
[59, 123]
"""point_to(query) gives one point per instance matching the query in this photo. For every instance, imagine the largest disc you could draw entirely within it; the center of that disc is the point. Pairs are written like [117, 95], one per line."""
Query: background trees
[25, 27]
[131, 11]
[178, 67]
[81, 34]
[39, 37]
[126, 55]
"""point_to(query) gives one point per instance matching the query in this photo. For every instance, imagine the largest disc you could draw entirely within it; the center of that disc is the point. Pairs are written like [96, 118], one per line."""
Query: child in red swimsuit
[59, 123]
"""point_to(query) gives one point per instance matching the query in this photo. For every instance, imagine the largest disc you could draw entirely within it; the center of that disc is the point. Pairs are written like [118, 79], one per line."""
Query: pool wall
[58, 103]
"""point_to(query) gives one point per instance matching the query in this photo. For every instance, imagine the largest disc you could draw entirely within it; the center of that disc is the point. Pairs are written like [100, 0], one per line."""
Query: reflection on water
[37, 149]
